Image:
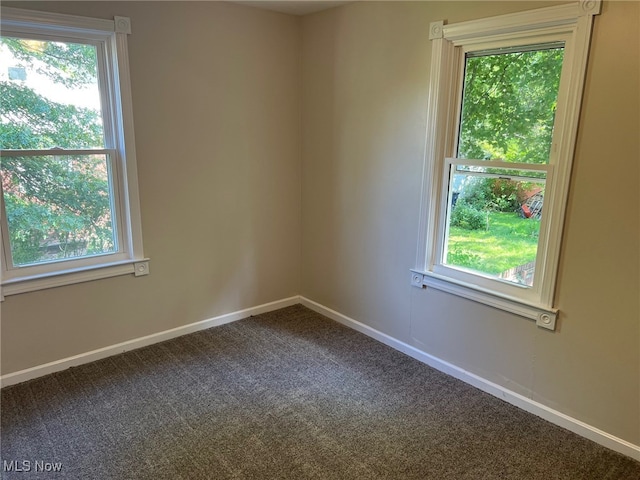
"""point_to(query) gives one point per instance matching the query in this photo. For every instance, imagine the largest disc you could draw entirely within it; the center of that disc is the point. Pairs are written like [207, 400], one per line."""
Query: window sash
[119, 254]
[473, 277]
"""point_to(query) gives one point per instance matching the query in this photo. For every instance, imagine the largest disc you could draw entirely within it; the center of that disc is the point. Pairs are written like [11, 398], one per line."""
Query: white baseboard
[531, 406]
[58, 365]
[520, 401]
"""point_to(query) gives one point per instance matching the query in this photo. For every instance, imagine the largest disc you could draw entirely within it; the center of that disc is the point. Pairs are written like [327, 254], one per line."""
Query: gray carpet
[284, 395]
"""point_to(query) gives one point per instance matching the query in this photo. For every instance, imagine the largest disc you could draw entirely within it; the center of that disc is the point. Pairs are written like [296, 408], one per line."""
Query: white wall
[216, 110]
[365, 76]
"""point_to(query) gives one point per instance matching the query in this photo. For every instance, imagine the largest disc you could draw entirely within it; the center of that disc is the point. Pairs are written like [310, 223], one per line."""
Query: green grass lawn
[509, 241]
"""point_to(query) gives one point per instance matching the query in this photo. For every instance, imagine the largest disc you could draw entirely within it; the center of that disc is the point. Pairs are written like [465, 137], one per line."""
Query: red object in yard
[526, 211]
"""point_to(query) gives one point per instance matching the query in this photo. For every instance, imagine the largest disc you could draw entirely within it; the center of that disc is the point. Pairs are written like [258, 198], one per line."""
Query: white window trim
[571, 23]
[131, 258]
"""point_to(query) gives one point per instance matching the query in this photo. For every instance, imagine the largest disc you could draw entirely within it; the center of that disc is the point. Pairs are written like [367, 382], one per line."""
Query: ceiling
[293, 7]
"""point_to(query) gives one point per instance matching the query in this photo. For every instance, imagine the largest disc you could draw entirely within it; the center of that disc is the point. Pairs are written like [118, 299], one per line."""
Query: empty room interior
[289, 289]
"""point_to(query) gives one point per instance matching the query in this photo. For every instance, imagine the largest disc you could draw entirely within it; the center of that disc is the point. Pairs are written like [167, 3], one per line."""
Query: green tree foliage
[509, 106]
[30, 121]
[57, 206]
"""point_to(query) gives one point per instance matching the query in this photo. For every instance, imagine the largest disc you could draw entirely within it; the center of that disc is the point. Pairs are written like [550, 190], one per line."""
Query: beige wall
[216, 109]
[217, 93]
[364, 82]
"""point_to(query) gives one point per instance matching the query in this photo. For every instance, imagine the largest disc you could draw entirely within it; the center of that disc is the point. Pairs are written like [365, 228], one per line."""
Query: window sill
[544, 316]
[60, 278]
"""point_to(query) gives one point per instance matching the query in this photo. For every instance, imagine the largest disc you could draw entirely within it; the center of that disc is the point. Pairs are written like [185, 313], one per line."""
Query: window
[495, 196]
[67, 160]
[503, 112]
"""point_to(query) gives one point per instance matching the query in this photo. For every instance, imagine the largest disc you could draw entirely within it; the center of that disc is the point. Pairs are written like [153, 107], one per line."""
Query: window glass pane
[58, 207]
[494, 222]
[49, 95]
[509, 104]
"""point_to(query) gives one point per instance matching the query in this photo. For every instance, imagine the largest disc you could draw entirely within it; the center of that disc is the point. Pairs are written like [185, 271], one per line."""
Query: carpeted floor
[284, 395]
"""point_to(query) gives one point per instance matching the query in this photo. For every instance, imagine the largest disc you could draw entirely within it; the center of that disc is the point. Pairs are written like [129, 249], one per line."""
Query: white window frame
[110, 39]
[569, 23]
